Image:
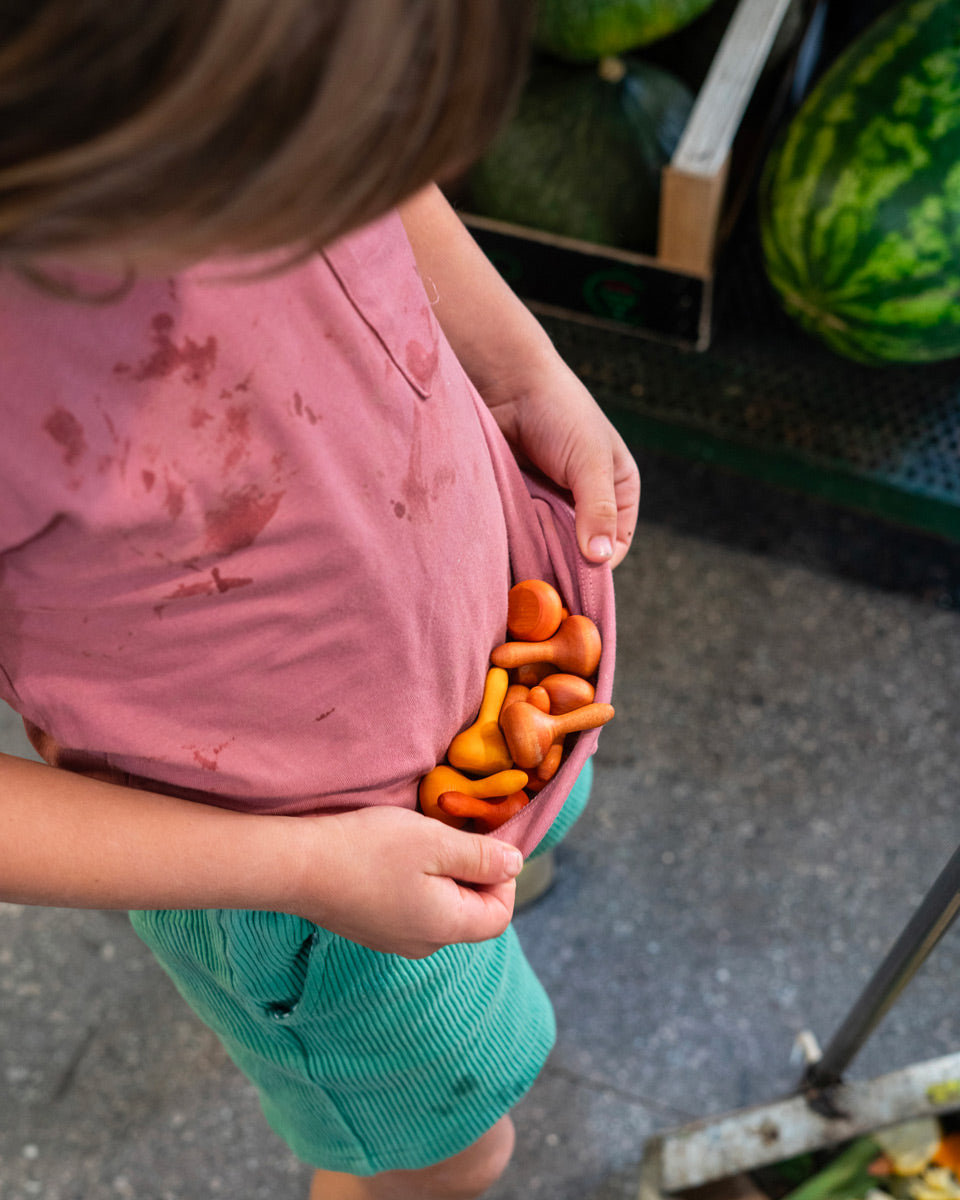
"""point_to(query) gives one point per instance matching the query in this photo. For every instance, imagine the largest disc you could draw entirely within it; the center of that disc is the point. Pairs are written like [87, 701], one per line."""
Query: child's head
[177, 129]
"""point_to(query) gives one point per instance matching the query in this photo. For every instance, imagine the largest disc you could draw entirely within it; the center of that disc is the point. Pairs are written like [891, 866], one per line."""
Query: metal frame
[826, 1110]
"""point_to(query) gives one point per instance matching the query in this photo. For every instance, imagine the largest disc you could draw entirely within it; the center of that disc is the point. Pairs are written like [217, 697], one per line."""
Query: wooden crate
[668, 295]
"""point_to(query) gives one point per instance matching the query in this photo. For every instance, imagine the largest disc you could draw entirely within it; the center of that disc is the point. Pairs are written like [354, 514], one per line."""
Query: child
[258, 520]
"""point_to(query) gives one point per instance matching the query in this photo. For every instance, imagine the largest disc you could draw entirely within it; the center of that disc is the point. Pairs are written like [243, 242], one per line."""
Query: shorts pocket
[276, 960]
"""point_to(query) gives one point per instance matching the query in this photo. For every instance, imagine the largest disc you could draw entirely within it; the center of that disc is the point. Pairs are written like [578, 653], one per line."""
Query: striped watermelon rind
[860, 198]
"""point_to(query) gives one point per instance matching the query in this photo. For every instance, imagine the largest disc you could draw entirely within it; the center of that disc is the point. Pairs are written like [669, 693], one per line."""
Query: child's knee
[465, 1176]
[496, 1148]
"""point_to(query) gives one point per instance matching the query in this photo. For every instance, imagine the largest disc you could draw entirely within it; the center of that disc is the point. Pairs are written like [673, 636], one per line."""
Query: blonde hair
[206, 127]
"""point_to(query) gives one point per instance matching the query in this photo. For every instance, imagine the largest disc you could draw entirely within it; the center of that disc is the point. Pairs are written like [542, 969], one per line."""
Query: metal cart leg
[927, 926]
[824, 1110]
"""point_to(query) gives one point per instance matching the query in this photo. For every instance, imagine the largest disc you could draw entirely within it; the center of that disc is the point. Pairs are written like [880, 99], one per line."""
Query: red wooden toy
[487, 815]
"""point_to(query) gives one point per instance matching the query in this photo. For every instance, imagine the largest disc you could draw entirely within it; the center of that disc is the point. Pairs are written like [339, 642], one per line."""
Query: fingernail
[513, 861]
[600, 547]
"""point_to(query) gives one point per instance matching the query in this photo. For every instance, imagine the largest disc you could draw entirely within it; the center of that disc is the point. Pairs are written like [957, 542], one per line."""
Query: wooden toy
[530, 674]
[480, 747]
[574, 648]
[541, 776]
[530, 733]
[539, 697]
[522, 722]
[565, 692]
[487, 815]
[551, 762]
[445, 779]
[517, 691]
[534, 610]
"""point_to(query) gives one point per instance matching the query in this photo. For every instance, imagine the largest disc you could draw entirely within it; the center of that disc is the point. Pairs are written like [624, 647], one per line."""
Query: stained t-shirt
[256, 534]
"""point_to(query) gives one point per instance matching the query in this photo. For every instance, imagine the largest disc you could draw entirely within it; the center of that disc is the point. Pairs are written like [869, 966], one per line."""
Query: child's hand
[554, 422]
[543, 410]
[401, 882]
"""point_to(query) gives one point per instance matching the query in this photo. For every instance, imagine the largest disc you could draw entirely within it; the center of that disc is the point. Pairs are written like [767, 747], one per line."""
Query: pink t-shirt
[256, 536]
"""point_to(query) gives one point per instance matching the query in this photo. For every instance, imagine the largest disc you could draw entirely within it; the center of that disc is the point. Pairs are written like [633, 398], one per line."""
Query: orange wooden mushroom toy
[517, 691]
[564, 693]
[551, 763]
[534, 610]
[530, 674]
[530, 733]
[574, 648]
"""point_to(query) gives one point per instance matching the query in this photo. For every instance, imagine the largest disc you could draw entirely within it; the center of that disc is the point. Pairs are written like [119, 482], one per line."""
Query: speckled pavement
[779, 788]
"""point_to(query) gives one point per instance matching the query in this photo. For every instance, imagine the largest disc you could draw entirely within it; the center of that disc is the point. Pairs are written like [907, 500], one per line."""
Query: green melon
[583, 154]
[580, 30]
[860, 198]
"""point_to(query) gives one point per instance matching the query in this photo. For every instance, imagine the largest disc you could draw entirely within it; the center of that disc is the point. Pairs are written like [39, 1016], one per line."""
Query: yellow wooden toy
[481, 748]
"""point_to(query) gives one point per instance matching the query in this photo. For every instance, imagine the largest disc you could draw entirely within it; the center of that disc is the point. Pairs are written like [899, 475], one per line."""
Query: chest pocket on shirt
[377, 271]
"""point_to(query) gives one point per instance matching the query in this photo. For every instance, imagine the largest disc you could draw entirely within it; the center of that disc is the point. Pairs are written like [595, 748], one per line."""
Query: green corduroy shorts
[365, 1062]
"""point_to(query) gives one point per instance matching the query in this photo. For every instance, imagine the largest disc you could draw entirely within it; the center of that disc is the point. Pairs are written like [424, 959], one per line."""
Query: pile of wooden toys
[537, 691]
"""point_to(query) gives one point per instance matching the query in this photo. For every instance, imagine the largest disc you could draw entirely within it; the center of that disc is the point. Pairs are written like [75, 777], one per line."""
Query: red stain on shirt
[183, 591]
[241, 517]
[302, 409]
[68, 433]
[199, 417]
[217, 584]
[232, 458]
[207, 756]
[196, 361]
[173, 502]
[422, 363]
[238, 421]
[226, 585]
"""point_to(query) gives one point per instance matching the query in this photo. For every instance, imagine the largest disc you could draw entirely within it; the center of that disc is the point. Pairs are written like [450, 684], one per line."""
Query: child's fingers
[606, 490]
[626, 482]
[485, 911]
[470, 858]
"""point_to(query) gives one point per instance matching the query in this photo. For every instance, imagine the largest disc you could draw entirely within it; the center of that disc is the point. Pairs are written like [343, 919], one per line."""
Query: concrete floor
[779, 789]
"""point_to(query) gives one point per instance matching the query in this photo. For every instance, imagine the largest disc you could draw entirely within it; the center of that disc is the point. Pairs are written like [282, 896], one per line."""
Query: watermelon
[860, 197]
[583, 154]
[581, 30]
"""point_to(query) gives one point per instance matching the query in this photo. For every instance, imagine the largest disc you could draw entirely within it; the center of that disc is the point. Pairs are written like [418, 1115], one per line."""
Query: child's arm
[544, 411]
[383, 876]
